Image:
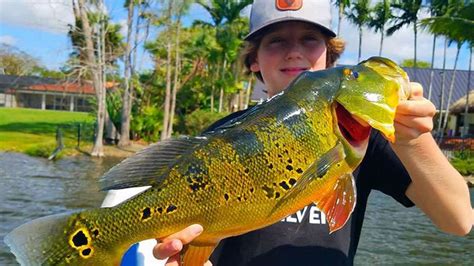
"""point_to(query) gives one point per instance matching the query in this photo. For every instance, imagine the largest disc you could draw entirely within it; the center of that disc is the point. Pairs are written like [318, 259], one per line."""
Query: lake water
[33, 187]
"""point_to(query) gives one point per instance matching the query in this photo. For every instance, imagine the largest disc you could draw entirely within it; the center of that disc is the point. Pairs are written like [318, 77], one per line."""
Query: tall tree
[380, 15]
[92, 62]
[341, 6]
[457, 25]
[128, 90]
[359, 16]
[437, 8]
[224, 13]
[409, 15]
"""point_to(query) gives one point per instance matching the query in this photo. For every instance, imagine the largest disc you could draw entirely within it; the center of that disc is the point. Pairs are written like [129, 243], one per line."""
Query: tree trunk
[221, 94]
[248, 92]
[176, 81]
[381, 42]
[166, 115]
[360, 44]
[92, 65]
[430, 86]
[441, 103]
[127, 94]
[451, 88]
[341, 13]
[468, 90]
[414, 61]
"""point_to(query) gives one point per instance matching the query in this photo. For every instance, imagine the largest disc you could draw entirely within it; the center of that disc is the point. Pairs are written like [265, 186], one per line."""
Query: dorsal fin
[146, 167]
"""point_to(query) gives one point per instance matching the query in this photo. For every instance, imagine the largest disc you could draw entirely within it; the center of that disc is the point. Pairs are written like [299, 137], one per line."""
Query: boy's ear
[254, 67]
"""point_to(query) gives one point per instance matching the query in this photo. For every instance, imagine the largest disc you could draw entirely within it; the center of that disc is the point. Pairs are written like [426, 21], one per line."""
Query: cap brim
[271, 22]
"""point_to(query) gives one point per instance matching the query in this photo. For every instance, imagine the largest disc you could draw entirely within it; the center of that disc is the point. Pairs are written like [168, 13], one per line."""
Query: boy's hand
[413, 117]
[170, 247]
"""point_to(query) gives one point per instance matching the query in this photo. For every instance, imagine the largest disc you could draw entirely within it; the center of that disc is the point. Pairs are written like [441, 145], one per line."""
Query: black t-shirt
[303, 238]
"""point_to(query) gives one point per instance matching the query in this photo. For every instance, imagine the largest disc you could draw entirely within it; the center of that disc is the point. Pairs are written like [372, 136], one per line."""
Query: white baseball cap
[267, 12]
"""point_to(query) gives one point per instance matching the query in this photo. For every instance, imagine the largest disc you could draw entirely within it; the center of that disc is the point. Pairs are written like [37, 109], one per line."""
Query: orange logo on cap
[289, 4]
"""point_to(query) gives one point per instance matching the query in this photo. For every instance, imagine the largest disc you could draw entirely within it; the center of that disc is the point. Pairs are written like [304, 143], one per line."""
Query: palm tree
[380, 15]
[457, 25]
[409, 15]
[437, 8]
[223, 13]
[359, 16]
[341, 5]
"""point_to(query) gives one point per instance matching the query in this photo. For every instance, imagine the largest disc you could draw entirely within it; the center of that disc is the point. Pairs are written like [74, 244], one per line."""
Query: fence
[73, 136]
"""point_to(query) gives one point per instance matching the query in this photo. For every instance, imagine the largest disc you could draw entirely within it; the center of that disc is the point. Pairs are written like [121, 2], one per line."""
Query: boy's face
[291, 48]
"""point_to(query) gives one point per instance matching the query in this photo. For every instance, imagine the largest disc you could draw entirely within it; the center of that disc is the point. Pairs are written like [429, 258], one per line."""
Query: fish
[298, 147]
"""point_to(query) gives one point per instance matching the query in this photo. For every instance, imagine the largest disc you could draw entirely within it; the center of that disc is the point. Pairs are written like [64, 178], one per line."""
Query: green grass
[33, 131]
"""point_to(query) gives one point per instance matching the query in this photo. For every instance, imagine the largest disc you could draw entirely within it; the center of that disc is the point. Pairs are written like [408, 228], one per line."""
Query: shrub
[199, 120]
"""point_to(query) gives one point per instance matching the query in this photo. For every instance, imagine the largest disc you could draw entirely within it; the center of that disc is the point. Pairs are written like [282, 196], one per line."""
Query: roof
[460, 83]
[12, 81]
[422, 77]
[9, 83]
[459, 105]
[64, 87]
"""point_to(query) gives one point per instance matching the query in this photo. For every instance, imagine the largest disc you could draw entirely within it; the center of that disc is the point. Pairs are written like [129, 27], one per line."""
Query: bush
[41, 150]
[463, 161]
[199, 120]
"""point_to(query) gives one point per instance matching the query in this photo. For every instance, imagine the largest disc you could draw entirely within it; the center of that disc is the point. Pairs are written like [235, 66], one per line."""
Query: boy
[287, 38]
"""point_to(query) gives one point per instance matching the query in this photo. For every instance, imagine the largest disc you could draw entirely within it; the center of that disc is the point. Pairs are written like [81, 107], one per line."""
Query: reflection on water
[393, 234]
[33, 187]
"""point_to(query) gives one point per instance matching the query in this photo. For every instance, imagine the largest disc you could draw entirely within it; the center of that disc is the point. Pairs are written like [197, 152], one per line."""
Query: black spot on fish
[269, 192]
[277, 145]
[270, 166]
[159, 210]
[239, 198]
[338, 164]
[323, 172]
[79, 239]
[171, 208]
[290, 160]
[226, 196]
[299, 171]
[86, 252]
[252, 190]
[289, 168]
[245, 143]
[292, 181]
[284, 185]
[146, 213]
[246, 170]
[95, 232]
[280, 156]
[277, 195]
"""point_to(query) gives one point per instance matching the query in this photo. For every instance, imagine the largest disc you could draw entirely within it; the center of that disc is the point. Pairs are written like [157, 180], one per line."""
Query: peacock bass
[298, 147]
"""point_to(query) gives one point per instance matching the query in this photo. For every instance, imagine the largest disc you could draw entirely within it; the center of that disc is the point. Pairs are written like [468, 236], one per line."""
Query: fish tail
[60, 239]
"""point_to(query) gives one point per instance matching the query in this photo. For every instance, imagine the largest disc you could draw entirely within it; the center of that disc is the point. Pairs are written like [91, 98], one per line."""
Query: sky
[39, 28]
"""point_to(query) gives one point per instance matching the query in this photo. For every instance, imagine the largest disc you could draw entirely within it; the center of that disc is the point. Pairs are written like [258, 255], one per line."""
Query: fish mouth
[355, 131]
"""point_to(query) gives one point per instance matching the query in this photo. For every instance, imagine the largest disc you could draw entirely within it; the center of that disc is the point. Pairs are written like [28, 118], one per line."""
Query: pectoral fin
[196, 254]
[338, 203]
[317, 170]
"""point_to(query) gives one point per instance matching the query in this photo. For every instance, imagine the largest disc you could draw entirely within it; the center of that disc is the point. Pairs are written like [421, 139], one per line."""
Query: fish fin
[316, 170]
[339, 203]
[197, 254]
[146, 167]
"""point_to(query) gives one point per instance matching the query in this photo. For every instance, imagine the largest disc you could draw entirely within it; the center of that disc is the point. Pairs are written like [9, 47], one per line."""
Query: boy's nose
[293, 51]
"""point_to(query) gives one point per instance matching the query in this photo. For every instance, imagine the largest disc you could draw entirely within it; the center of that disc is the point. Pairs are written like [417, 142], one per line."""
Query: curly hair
[335, 46]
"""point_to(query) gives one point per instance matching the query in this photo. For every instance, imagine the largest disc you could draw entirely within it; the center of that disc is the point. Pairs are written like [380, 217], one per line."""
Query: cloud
[8, 40]
[46, 15]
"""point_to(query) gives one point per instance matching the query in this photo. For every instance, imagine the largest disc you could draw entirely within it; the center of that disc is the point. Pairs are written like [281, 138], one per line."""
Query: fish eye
[350, 74]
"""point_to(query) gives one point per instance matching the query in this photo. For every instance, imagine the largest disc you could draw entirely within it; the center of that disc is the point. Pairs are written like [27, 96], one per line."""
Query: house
[45, 93]
[456, 119]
